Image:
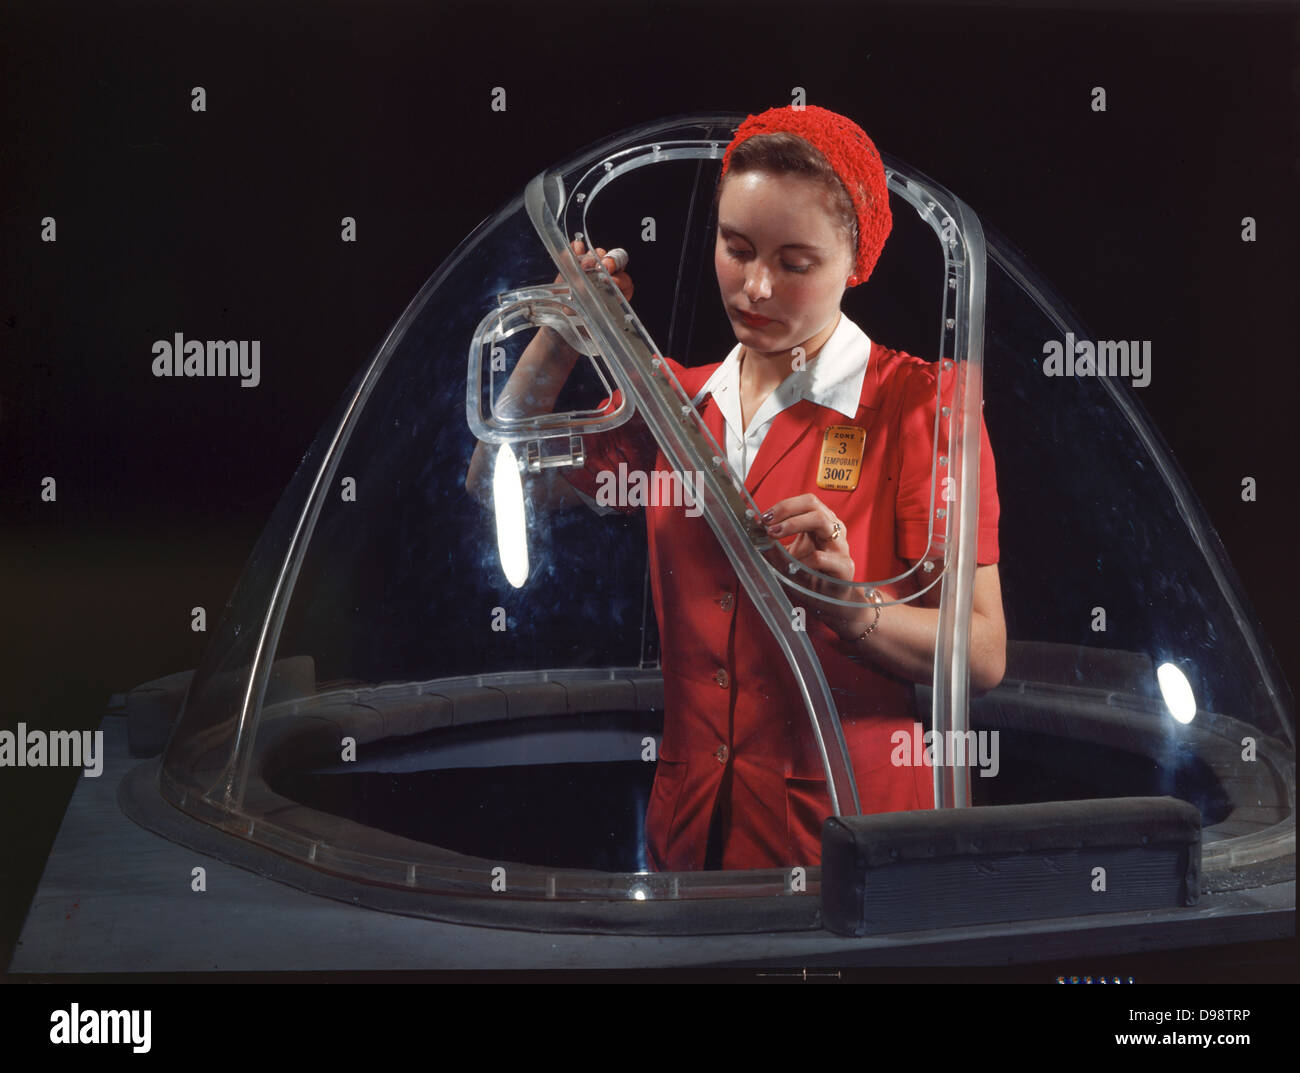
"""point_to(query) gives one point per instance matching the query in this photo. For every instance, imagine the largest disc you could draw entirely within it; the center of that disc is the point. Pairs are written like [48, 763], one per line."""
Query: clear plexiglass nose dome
[452, 707]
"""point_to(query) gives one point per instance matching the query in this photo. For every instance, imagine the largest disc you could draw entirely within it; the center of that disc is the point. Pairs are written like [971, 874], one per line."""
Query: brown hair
[782, 153]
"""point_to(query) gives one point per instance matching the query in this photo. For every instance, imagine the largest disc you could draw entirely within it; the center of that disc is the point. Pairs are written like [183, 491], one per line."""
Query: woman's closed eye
[745, 255]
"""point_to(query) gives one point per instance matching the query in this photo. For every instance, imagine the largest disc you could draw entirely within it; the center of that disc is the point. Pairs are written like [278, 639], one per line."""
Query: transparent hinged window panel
[657, 201]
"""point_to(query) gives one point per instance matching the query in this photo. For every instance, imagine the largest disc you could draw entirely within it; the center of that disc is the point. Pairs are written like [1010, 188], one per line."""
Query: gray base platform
[116, 898]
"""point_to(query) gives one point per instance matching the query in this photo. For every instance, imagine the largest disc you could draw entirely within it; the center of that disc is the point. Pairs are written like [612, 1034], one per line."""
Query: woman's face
[782, 260]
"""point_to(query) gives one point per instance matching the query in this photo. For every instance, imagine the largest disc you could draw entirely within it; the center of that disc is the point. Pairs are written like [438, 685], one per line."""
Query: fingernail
[769, 515]
[775, 530]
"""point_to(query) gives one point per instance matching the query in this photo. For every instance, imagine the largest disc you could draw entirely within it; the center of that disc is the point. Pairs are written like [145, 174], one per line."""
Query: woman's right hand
[588, 262]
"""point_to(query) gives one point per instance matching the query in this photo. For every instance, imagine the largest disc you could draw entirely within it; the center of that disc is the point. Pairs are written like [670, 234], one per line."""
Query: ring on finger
[836, 529]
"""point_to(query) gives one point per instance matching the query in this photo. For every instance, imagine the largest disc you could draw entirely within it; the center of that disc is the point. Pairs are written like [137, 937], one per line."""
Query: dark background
[225, 224]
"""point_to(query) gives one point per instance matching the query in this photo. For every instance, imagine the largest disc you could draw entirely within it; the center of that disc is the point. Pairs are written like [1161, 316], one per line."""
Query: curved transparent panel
[1133, 668]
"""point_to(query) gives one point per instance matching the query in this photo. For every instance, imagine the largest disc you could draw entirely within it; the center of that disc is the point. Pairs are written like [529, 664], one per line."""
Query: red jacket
[736, 735]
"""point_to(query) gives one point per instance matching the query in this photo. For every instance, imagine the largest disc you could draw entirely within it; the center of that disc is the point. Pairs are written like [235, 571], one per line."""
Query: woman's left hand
[820, 543]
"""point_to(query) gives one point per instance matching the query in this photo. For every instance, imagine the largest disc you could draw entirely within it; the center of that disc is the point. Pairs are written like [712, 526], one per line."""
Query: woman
[802, 215]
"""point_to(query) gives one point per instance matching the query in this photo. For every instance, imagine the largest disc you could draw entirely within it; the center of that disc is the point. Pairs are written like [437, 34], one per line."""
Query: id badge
[841, 458]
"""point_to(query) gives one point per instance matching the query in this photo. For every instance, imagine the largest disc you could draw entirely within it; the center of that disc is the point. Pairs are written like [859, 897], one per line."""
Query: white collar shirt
[832, 379]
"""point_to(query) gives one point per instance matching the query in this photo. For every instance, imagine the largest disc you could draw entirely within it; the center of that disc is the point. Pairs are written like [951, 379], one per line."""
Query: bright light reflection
[508, 502]
[1177, 692]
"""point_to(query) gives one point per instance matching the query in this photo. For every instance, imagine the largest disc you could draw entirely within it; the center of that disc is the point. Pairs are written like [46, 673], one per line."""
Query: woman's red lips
[753, 319]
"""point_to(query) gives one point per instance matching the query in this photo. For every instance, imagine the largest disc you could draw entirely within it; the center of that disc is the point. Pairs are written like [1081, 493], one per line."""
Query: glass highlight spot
[508, 502]
[1177, 692]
